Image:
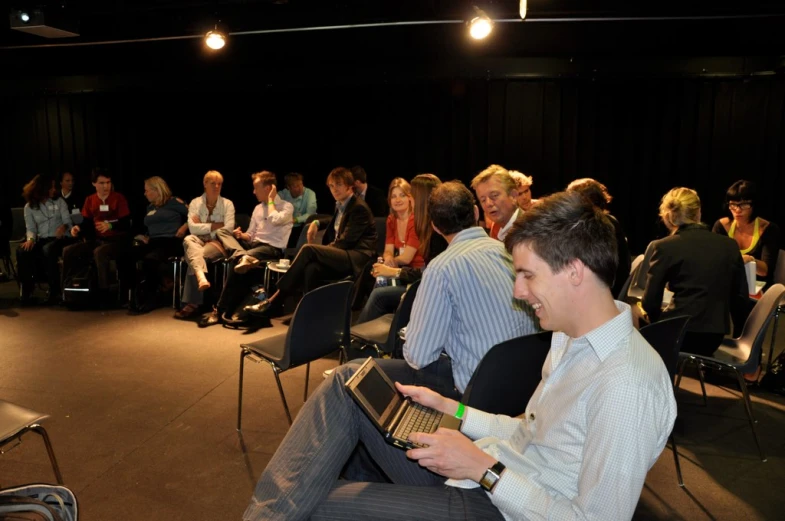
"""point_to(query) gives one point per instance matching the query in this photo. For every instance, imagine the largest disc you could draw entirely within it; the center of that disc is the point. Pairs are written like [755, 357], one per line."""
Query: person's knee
[191, 241]
[224, 232]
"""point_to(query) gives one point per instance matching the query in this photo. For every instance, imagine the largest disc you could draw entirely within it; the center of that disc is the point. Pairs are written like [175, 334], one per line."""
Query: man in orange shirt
[497, 192]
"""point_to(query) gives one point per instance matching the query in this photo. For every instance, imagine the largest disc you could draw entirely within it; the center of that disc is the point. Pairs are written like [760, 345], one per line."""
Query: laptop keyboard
[419, 419]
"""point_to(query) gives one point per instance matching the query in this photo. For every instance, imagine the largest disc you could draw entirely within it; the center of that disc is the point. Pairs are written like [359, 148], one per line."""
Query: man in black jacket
[375, 198]
[349, 242]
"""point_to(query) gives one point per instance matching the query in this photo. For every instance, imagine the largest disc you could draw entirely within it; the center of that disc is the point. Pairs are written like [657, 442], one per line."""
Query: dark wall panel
[639, 136]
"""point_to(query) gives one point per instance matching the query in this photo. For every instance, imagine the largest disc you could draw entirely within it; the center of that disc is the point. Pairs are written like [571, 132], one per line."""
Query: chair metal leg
[280, 390]
[243, 354]
[681, 371]
[676, 460]
[748, 406]
[307, 375]
[773, 338]
[703, 384]
[40, 430]
[175, 276]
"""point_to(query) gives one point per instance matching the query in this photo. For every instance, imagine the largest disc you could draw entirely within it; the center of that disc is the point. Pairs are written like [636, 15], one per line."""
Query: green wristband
[460, 411]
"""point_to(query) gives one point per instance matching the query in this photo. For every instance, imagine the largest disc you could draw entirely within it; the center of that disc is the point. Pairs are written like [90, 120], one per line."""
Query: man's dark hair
[98, 172]
[62, 175]
[292, 177]
[341, 174]
[359, 174]
[743, 191]
[452, 207]
[567, 226]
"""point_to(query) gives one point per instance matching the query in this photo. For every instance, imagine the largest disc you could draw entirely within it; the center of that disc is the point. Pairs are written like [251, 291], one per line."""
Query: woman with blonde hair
[401, 246]
[207, 214]
[166, 224]
[703, 270]
[385, 299]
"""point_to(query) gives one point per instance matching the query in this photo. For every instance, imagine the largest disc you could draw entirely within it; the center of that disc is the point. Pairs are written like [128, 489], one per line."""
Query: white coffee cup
[283, 263]
[750, 268]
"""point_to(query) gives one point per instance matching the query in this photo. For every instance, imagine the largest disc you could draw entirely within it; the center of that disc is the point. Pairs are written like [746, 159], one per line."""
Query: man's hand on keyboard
[450, 454]
[428, 398]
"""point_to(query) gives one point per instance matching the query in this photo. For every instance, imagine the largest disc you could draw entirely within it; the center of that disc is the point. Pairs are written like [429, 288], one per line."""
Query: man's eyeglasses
[741, 205]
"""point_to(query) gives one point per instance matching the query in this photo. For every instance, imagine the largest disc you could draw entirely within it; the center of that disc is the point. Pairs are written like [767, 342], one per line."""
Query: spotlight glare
[24, 17]
[215, 40]
[523, 8]
[480, 27]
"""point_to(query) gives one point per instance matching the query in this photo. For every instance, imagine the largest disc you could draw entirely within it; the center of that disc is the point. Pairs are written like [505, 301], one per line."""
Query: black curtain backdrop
[639, 136]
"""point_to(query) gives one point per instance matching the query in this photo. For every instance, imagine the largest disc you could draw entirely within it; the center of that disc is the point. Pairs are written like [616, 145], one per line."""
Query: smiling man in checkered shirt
[597, 422]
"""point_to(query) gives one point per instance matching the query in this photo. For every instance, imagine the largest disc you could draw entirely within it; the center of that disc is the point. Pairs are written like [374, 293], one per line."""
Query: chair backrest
[381, 232]
[18, 231]
[751, 339]
[401, 317]
[634, 269]
[779, 269]
[508, 375]
[666, 337]
[320, 324]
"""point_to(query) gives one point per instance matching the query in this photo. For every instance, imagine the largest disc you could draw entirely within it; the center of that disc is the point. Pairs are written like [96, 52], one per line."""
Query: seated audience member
[373, 197]
[524, 185]
[703, 270]
[302, 199]
[265, 239]
[206, 215]
[401, 242]
[166, 221]
[592, 429]
[597, 193]
[72, 201]
[385, 299]
[105, 225]
[46, 225]
[757, 239]
[349, 242]
[498, 197]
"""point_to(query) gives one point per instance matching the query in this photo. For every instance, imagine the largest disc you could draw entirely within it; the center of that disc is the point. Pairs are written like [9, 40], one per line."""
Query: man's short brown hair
[264, 177]
[495, 172]
[341, 174]
[292, 177]
[566, 226]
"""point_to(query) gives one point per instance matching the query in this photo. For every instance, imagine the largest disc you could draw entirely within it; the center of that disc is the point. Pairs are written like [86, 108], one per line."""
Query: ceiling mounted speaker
[47, 24]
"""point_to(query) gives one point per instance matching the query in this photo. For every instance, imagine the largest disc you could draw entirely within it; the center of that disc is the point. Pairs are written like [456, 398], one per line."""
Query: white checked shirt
[271, 224]
[593, 428]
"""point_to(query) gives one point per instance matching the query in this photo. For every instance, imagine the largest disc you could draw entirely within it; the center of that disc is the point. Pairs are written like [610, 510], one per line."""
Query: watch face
[488, 480]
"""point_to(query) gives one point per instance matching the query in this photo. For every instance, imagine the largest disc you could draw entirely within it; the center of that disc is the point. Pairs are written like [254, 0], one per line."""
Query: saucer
[281, 266]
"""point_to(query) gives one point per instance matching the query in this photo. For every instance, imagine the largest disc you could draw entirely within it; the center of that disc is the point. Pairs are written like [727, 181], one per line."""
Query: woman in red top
[401, 243]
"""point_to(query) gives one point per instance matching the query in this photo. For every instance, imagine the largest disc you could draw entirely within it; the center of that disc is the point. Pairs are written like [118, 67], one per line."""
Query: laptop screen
[376, 392]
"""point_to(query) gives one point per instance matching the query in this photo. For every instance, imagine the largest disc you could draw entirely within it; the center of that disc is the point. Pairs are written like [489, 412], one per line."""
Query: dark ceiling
[574, 29]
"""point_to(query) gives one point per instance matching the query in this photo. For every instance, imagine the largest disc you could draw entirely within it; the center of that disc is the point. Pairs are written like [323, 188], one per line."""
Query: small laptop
[395, 415]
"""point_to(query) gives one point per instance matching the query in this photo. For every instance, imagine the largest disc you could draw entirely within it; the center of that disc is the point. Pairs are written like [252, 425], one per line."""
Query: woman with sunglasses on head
[758, 239]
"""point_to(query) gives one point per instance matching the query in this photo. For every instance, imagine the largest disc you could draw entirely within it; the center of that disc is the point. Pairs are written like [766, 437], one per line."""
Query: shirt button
[531, 416]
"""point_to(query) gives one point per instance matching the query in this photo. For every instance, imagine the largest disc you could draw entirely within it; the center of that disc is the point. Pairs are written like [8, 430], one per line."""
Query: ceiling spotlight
[480, 26]
[523, 9]
[215, 40]
[24, 17]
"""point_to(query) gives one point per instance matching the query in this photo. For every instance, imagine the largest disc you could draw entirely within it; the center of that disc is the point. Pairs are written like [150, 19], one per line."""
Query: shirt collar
[506, 228]
[468, 234]
[604, 340]
[341, 207]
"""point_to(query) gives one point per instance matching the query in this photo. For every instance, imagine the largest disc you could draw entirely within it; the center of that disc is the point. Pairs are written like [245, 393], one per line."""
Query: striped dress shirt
[591, 431]
[465, 306]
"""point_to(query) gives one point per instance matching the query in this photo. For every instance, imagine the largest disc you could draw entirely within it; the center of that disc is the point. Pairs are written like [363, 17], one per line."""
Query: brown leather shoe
[186, 312]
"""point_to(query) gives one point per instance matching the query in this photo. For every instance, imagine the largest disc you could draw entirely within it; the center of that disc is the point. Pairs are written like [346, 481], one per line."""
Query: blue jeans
[380, 302]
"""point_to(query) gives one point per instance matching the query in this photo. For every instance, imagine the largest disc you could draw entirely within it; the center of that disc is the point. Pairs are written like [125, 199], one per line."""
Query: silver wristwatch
[491, 476]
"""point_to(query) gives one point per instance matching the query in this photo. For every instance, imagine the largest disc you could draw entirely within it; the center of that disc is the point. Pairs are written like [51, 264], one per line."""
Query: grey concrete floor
[143, 412]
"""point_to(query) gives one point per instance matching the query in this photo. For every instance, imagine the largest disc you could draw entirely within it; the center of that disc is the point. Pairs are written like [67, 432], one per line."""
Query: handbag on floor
[38, 503]
[774, 379]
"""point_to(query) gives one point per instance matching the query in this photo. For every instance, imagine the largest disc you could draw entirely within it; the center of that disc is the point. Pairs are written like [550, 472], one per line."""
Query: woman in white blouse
[206, 215]
[46, 222]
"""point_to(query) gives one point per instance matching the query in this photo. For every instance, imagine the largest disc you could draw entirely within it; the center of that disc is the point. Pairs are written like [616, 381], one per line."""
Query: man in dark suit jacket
[349, 242]
[374, 197]
[706, 275]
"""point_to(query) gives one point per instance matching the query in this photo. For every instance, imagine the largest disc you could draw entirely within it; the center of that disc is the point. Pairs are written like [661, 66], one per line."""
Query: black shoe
[210, 319]
[259, 309]
[237, 319]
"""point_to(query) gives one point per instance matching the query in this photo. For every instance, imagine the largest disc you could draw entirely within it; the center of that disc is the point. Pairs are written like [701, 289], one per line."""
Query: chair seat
[374, 331]
[14, 419]
[272, 348]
